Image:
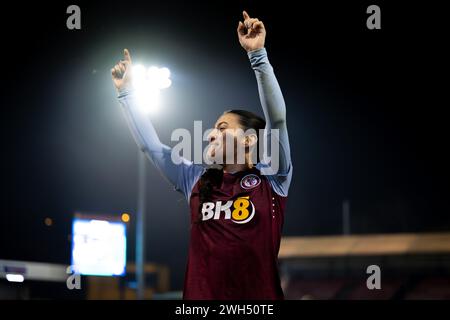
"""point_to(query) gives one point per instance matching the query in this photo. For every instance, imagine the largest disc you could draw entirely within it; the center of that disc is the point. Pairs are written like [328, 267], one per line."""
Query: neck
[233, 168]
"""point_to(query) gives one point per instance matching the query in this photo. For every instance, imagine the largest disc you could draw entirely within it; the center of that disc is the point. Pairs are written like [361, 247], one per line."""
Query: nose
[212, 136]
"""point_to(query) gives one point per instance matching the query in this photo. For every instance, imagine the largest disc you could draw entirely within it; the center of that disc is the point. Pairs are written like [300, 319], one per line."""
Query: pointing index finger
[126, 55]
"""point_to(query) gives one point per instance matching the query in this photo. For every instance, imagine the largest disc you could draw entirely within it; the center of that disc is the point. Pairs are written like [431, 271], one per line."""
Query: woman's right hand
[121, 73]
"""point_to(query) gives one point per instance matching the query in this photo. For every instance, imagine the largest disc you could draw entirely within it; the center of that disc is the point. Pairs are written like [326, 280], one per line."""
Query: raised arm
[182, 174]
[252, 35]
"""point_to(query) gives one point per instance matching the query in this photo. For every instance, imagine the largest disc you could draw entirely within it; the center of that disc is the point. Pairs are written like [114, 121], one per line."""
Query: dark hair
[213, 176]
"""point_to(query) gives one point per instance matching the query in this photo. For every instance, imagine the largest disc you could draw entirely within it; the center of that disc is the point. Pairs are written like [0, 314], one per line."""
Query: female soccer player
[237, 213]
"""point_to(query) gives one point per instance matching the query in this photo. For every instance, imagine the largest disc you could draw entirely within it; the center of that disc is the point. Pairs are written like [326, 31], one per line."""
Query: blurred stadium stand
[413, 266]
[42, 281]
[124, 288]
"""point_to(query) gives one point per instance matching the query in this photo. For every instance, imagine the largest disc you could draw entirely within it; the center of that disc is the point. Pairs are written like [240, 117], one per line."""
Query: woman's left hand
[251, 33]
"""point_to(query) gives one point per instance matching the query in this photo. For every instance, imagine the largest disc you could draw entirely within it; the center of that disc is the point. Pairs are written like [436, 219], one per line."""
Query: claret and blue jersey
[234, 247]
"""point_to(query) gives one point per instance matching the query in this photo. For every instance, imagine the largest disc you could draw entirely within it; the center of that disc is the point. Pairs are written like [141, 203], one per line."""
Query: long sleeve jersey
[233, 251]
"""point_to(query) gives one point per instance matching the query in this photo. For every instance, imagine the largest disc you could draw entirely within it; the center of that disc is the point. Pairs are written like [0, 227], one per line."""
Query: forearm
[146, 137]
[142, 129]
[270, 94]
[180, 172]
[273, 106]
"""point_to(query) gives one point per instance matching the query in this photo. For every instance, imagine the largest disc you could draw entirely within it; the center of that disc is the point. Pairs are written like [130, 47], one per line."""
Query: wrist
[257, 57]
[256, 53]
[255, 50]
[123, 91]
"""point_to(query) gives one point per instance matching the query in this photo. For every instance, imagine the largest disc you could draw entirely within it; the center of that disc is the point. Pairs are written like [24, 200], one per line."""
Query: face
[227, 132]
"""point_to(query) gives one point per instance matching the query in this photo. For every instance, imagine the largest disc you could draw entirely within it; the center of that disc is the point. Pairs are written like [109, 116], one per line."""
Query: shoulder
[280, 182]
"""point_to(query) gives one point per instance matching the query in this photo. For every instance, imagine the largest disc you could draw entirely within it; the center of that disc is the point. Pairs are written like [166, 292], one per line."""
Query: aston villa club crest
[250, 181]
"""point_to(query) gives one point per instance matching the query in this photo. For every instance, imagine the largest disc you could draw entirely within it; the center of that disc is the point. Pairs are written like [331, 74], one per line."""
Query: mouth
[213, 148]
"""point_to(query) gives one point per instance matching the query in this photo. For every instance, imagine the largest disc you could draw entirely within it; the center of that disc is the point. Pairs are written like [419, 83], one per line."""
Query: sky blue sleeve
[182, 174]
[274, 109]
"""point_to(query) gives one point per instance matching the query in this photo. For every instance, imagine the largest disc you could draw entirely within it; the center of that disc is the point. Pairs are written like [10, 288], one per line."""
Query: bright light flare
[99, 247]
[15, 277]
[125, 217]
[148, 83]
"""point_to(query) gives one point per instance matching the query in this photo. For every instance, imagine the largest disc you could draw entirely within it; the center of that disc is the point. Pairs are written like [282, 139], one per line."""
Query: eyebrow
[223, 122]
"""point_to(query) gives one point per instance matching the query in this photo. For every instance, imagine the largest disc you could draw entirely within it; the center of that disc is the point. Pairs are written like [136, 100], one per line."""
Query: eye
[221, 129]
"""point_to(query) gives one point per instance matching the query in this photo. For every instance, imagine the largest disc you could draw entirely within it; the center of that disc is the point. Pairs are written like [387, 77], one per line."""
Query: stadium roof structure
[365, 245]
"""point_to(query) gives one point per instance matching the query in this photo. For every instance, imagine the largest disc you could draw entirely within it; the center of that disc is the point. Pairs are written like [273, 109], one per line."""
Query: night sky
[365, 110]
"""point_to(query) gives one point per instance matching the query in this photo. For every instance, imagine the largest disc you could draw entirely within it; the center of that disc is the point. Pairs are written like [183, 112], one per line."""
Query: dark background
[366, 115]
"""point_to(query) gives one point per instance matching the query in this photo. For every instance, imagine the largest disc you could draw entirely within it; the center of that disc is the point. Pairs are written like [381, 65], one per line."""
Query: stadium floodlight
[148, 83]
